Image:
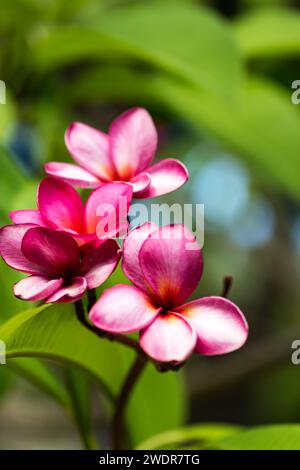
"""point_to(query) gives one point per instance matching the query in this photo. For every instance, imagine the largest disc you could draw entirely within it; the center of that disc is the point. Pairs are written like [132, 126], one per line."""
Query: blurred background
[217, 78]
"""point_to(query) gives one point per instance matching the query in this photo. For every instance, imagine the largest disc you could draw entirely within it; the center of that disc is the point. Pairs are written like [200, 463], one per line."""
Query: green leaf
[195, 437]
[7, 116]
[11, 181]
[54, 332]
[261, 127]
[39, 375]
[139, 31]
[269, 32]
[274, 437]
[158, 403]
[80, 396]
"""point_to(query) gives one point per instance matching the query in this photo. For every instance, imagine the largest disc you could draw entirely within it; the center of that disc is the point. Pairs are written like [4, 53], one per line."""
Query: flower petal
[90, 148]
[36, 288]
[166, 176]
[99, 263]
[171, 261]
[11, 238]
[28, 217]
[70, 293]
[123, 309]
[131, 248]
[133, 142]
[107, 209]
[169, 338]
[56, 252]
[61, 204]
[72, 174]
[140, 182]
[220, 325]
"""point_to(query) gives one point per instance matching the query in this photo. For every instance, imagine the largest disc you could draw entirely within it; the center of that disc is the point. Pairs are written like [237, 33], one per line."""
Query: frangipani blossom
[60, 207]
[165, 272]
[59, 271]
[124, 154]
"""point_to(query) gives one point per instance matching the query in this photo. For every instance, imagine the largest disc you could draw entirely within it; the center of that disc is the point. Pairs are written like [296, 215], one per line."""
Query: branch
[123, 399]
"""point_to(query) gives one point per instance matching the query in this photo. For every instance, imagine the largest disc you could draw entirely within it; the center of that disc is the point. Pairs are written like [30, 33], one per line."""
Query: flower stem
[122, 401]
[91, 298]
[227, 283]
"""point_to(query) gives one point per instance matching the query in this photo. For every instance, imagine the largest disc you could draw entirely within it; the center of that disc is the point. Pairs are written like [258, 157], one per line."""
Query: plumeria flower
[59, 271]
[60, 207]
[165, 265]
[124, 154]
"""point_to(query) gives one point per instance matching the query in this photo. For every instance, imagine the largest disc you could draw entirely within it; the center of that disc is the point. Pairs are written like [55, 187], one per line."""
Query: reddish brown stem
[123, 399]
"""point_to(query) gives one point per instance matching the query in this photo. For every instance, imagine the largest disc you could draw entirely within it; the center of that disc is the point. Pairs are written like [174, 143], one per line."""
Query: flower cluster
[68, 247]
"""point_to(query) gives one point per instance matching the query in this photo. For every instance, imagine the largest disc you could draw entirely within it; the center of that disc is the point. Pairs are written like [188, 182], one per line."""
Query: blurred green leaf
[157, 404]
[269, 32]
[11, 181]
[8, 114]
[54, 332]
[139, 31]
[39, 375]
[80, 397]
[189, 437]
[274, 437]
[262, 127]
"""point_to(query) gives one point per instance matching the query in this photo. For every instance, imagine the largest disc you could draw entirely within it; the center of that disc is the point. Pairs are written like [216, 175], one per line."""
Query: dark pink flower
[124, 154]
[59, 270]
[60, 207]
[165, 266]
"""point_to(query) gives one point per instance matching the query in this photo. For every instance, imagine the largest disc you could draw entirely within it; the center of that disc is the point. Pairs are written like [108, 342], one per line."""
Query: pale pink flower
[60, 207]
[165, 272]
[59, 270]
[124, 154]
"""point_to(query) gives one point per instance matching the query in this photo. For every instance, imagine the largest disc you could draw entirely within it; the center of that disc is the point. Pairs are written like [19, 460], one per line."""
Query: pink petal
[70, 293]
[140, 183]
[61, 204]
[169, 338]
[56, 252]
[133, 142]
[90, 148]
[131, 248]
[72, 174]
[36, 288]
[123, 309]
[171, 261]
[99, 263]
[11, 238]
[219, 324]
[28, 217]
[166, 176]
[107, 209]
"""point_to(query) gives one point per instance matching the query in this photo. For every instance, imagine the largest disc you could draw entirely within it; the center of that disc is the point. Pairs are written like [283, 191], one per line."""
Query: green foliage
[55, 333]
[275, 437]
[197, 436]
[138, 31]
[269, 32]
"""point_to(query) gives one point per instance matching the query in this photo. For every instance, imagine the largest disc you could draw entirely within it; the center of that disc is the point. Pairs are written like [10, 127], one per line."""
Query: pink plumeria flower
[60, 207]
[59, 271]
[165, 272]
[124, 154]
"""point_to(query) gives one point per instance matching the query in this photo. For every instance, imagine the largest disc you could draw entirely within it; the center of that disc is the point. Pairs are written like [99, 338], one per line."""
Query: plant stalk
[122, 400]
